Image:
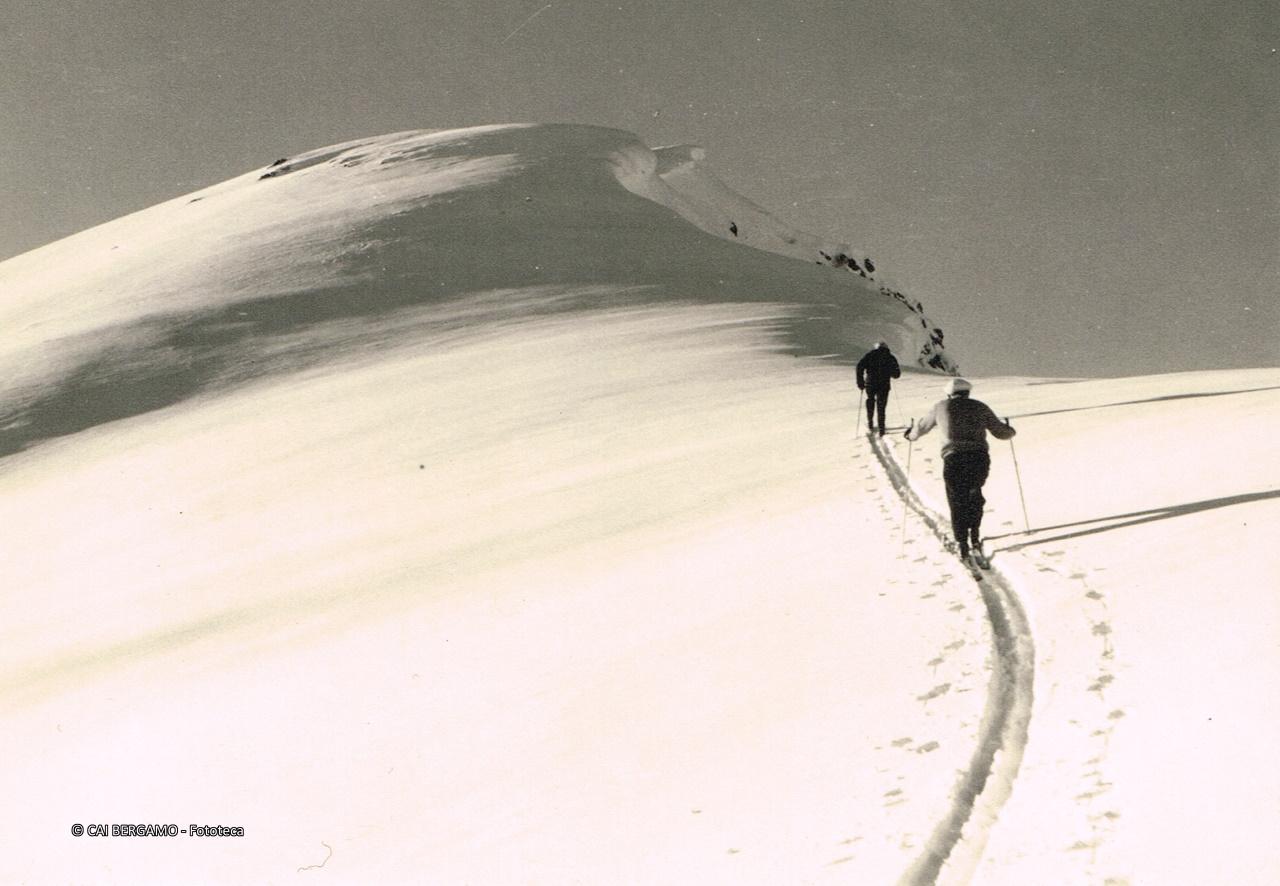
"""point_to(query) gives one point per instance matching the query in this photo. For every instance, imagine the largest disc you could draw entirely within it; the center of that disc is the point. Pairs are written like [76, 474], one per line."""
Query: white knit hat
[958, 386]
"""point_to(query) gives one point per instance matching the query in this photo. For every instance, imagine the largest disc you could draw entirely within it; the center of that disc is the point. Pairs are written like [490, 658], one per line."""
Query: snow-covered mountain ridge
[390, 238]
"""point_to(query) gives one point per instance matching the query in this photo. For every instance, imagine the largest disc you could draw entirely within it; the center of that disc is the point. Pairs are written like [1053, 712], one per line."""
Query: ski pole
[857, 425]
[1018, 474]
[903, 533]
[910, 443]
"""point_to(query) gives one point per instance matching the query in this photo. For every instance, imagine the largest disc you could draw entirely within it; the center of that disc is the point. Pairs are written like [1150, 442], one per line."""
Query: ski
[980, 557]
[975, 571]
[974, 560]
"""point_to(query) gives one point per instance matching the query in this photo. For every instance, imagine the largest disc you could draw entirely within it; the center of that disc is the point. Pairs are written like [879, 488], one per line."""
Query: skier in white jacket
[966, 462]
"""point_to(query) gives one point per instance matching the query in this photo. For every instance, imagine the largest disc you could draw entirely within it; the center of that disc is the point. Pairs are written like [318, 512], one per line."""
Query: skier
[966, 462]
[875, 370]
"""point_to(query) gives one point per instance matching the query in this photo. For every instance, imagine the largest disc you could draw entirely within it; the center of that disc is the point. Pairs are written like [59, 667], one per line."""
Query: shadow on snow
[1148, 400]
[1135, 518]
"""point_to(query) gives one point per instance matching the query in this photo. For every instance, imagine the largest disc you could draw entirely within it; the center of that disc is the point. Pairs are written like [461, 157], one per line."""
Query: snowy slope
[334, 251]
[468, 507]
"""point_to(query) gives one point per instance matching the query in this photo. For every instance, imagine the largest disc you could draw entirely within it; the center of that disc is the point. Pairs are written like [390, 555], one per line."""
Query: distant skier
[875, 371]
[966, 461]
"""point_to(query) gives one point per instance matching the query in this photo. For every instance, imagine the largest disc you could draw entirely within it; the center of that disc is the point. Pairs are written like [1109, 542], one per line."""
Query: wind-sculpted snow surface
[396, 238]
[560, 597]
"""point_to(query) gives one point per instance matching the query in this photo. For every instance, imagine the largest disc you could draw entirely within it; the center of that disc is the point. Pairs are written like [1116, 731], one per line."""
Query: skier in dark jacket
[966, 461]
[875, 370]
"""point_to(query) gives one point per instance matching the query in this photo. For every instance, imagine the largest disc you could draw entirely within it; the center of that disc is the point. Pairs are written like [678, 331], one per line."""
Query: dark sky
[1083, 188]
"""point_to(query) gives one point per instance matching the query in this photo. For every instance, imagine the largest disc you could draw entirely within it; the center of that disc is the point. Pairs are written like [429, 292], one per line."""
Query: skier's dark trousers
[966, 461]
[875, 371]
[964, 474]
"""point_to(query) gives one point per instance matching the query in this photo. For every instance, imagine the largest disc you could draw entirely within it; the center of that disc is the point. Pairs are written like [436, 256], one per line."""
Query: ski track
[957, 842]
